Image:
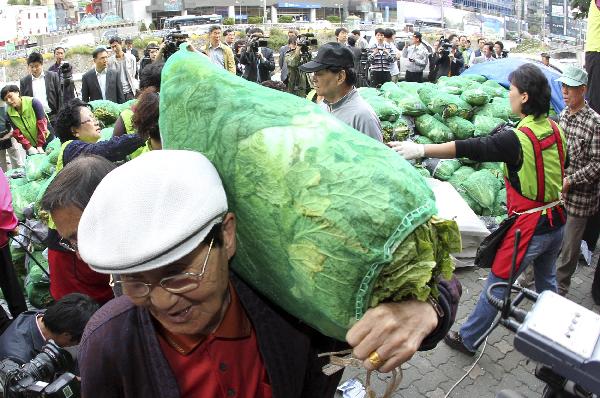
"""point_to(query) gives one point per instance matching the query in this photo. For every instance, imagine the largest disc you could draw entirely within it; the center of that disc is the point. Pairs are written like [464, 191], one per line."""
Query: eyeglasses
[65, 244]
[178, 284]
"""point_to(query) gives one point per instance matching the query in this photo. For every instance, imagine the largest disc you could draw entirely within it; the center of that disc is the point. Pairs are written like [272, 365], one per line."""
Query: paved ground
[431, 374]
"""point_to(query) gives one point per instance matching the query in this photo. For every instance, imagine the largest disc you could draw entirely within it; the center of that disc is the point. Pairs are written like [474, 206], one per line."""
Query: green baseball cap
[573, 76]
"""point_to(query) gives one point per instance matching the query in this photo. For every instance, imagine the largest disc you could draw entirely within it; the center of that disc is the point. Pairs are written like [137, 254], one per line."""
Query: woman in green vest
[533, 154]
[27, 118]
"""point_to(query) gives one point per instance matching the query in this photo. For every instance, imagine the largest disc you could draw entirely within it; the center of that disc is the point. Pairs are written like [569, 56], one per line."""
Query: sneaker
[454, 341]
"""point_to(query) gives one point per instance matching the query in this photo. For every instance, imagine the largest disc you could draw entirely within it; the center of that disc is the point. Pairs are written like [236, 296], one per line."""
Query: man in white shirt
[100, 82]
[487, 54]
[390, 38]
[44, 86]
[126, 65]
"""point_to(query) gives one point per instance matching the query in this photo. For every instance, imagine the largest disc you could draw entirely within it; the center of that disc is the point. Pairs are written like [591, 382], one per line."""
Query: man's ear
[228, 227]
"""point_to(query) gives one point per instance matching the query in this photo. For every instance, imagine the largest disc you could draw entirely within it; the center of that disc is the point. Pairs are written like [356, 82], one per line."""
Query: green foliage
[143, 27]
[36, 2]
[277, 38]
[530, 46]
[228, 21]
[286, 19]
[152, 26]
[12, 2]
[142, 42]
[333, 19]
[81, 50]
[255, 20]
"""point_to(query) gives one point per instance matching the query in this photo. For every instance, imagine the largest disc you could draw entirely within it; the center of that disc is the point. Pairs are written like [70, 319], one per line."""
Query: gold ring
[375, 359]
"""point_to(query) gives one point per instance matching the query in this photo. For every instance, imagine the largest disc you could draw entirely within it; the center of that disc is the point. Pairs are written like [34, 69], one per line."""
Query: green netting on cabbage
[494, 89]
[411, 105]
[106, 133]
[461, 128]
[482, 186]
[384, 108]
[411, 87]
[454, 90]
[367, 92]
[449, 105]
[105, 111]
[38, 167]
[401, 129]
[315, 224]
[37, 283]
[484, 125]
[433, 129]
[427, 93]
[500, 203]
[477, 78]
[442, 169]
[456, 81]
[23, 196]
[475, 96]
[53, 150]
[423, 171]
[490, 165]
[421, 139]
[460, 176]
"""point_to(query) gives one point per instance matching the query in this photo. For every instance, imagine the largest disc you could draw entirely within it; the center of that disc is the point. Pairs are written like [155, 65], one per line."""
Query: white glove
[32, 151]
[407, 149]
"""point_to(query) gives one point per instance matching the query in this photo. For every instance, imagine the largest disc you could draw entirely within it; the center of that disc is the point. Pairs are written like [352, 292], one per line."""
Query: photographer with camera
[299, 54]
[257, 58]
[334, 79]
[417, 55]
[382, 55]
[150, 55]
[448, 59]
[62, 322]
[65, 74]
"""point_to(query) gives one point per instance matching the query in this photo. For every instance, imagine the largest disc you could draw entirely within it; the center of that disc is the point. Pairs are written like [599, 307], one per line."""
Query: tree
[152, 26]
[286, 19]
[255, 20]
[333, 19]
[143, 27]
[580, 8]
[228, 21]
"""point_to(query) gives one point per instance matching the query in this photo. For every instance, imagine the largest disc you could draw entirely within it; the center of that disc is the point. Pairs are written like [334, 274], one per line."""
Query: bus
[184, 21]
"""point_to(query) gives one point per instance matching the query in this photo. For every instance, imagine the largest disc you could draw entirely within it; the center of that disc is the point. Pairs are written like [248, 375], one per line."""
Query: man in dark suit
[100, 82]
[44, 86]
[259, 63]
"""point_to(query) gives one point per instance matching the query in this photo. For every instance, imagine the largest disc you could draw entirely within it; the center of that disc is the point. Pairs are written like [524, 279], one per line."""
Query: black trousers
[380, 77]
[592, 231]
[592, 66]
[10, 284]
[414, 77]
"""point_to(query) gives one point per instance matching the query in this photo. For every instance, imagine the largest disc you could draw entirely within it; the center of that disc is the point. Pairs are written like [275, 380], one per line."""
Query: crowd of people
[141, 280]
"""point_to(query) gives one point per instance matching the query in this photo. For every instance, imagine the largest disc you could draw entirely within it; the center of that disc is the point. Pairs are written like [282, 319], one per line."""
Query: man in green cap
[581, 188]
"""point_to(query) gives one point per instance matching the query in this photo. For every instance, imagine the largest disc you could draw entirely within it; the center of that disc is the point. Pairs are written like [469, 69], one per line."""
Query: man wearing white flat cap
[186, 326]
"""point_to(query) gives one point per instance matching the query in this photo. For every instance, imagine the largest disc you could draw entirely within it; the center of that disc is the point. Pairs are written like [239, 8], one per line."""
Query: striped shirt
[380, 60]
[583, 169]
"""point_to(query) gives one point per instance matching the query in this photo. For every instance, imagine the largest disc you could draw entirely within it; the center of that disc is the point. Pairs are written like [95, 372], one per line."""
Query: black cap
[545, 55]
[417, 35]
[330, 54]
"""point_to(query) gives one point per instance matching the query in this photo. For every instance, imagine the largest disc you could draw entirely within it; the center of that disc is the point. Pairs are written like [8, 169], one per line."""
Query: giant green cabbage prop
[322, 210]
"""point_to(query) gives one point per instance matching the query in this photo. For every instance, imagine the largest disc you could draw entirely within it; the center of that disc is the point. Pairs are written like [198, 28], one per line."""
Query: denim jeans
[542, 252]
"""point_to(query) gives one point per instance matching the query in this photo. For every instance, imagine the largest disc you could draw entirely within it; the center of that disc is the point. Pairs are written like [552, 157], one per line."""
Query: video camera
[255, 42]
[66, 73]
[172, 41]
[37, 378]
[306, 40]
[444, 46]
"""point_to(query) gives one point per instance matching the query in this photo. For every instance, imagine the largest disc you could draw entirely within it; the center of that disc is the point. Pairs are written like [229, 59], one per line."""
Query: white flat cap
[150, 212]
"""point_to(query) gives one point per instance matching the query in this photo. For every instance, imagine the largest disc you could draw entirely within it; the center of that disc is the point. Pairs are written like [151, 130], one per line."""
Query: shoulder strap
[539, 162]
[559, 146]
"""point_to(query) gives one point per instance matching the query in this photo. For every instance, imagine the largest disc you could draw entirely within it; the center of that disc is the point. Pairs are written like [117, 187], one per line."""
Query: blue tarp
[500, 69]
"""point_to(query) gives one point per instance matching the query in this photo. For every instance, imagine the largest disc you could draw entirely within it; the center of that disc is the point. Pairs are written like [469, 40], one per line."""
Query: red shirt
[69, 274]
[226, 363]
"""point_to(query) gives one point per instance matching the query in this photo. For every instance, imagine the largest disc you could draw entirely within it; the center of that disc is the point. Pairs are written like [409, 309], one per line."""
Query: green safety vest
[59, 162]
[127, 117]
[540, 173]
[25, 121]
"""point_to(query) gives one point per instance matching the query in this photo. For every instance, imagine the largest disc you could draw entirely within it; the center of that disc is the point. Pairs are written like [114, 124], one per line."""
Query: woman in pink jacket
[8, 278]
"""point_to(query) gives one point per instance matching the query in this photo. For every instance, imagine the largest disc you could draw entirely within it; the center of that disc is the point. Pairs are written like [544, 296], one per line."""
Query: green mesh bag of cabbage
[323, 211]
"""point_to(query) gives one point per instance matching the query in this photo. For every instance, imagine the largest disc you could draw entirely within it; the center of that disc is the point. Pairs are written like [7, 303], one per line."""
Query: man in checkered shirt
[581, 183]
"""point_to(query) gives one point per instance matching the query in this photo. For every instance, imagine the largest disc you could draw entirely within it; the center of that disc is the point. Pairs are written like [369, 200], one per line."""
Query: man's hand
[408, 150]
[32, 151]
[260, 56]
[566, 185]
[40, 150]
[394, 331]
